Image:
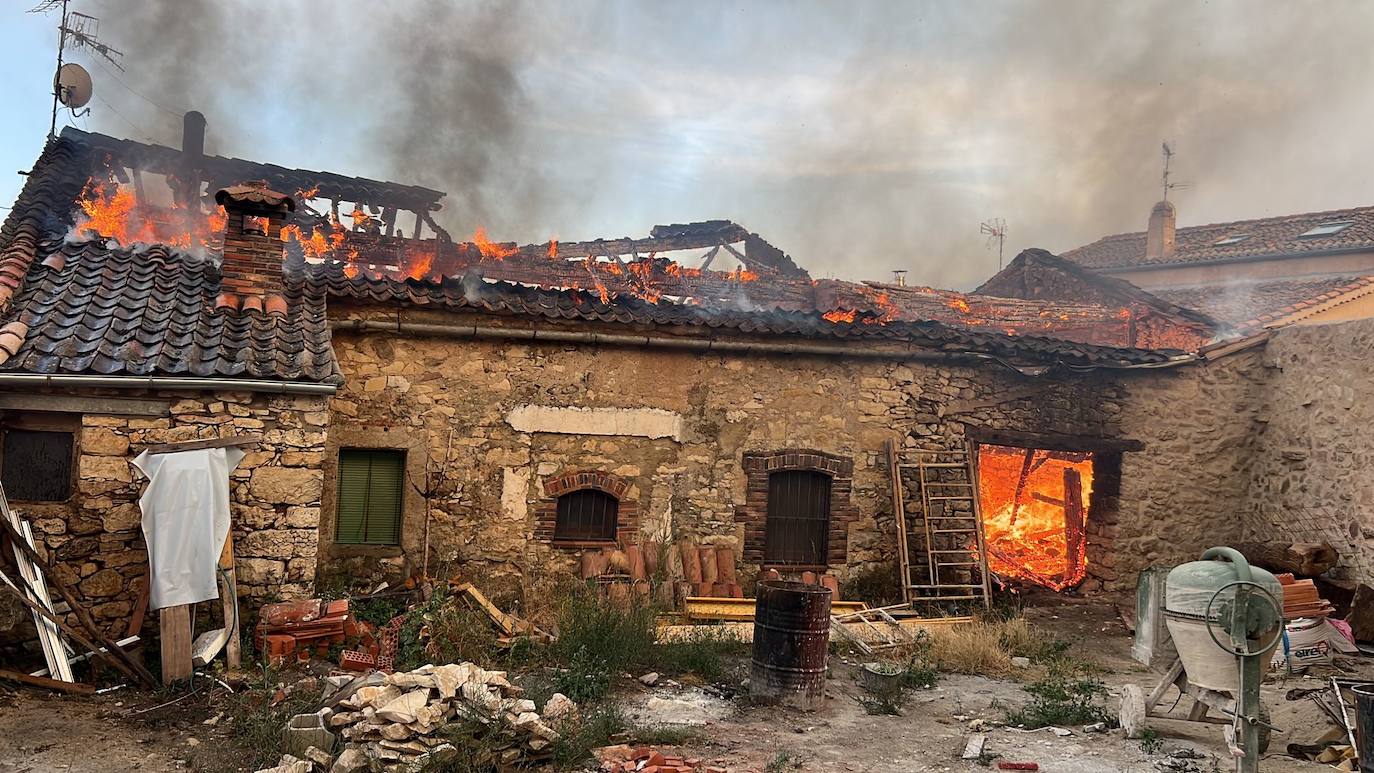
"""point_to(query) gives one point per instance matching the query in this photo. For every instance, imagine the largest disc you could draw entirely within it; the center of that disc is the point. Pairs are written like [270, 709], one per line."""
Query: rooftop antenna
[82, 31]
[996, 228]
[1168, 186]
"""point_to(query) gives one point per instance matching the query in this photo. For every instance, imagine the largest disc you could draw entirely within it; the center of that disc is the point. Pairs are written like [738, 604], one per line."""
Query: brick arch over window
[555, 486]
[758, 465]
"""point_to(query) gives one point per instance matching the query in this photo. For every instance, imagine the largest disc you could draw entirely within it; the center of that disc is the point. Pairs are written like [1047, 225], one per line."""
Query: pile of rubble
[398, 722]
[623, 758]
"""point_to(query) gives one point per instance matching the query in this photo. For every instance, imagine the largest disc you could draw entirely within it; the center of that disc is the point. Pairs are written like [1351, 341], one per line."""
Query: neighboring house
[1248, 275]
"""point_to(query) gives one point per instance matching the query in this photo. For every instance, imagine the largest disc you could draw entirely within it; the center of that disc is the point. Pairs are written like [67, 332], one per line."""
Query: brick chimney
[252, 267]
[1159, 237]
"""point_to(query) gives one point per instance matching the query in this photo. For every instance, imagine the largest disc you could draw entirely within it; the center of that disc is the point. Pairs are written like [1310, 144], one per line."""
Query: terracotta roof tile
[1245, 306]
[1272, 236]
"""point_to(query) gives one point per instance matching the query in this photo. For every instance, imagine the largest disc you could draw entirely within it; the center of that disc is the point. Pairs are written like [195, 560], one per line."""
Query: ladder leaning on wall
[946, 532]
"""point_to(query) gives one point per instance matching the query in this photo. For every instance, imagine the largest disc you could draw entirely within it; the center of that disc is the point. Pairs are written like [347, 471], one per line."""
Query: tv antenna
[1168, 186]
[81, 31]
[996, 228]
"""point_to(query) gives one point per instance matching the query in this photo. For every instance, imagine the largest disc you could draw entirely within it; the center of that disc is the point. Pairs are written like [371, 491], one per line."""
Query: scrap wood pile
[399, 721]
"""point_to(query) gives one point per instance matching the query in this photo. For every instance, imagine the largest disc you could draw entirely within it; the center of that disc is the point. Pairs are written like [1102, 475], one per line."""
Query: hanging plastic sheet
[185, 521]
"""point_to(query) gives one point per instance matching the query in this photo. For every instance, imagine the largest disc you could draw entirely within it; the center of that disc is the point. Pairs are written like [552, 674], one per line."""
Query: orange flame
[960, 305]
[838, 315]
[553, 249]
[491, 250]
[1033, 526]
[112, 211]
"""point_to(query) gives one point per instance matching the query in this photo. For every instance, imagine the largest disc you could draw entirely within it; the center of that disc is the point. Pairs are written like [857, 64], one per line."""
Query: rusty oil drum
[791, 640]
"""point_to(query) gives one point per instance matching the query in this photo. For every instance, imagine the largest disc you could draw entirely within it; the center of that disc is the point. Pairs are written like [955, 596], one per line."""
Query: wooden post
[229, 602]
[1074, 532]
[175, 633]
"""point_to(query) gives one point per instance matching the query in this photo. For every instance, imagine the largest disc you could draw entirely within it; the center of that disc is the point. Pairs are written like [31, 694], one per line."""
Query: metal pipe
[167, 382]
[701, 344]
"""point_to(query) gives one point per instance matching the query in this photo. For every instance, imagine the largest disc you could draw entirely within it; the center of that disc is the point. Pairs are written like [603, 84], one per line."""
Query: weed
[920, 672]
[970, 648]
[1150, 742]
[480, 747]
[258, 724]
[708, 653]
[889, 701]
[878, 586]
[783, 761]
[1065, 696]
[595, 728]
[1021, 639]
[379, 610]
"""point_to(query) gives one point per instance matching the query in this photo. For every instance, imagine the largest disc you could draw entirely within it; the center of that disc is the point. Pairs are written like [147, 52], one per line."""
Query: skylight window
[1326, 229]
[1232, 239]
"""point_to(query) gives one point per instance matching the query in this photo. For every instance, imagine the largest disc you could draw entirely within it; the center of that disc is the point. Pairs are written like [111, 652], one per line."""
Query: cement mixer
[1210, 626]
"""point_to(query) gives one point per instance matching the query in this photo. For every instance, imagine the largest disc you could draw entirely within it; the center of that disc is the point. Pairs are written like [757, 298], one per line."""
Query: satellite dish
[73, 85]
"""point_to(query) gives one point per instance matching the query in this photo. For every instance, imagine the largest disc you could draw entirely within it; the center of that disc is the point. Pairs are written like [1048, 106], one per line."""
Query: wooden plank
[110, 406]
[898, 498]
[76, 688]
[124, 644]
[1075, 518]
[131, 667]
[1050, 441]
[229, 602]
[174, 625]
[54, 649]
[196, 445]
[140, 611]
[103, 653]
[744, 631]
[739, 610]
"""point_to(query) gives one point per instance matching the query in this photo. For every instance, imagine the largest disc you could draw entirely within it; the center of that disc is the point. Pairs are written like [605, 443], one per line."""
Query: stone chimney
[1159, 238]
[251, 274]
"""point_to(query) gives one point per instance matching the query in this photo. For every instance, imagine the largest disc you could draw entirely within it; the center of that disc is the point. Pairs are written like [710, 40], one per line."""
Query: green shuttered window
[370, 488]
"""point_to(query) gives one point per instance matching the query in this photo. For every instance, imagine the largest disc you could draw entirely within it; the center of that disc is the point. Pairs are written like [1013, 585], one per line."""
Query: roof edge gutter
[703, 344]
[167, 382]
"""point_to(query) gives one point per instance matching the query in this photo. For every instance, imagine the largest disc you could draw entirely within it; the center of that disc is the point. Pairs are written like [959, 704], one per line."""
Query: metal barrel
[1364, 726]
[791, 640]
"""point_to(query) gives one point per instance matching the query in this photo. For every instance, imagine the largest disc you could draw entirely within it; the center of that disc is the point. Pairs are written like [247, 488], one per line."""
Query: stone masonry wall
[501, 417]
[1313, 476]
[97, 536]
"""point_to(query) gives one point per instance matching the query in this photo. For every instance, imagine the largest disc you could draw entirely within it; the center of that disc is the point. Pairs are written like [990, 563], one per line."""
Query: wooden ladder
[950, 531]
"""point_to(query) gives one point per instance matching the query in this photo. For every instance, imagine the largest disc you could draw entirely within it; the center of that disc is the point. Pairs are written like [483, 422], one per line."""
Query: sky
[859, 137]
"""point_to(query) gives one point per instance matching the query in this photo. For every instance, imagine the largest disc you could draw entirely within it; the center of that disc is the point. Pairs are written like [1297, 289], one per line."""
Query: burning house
[495, 409]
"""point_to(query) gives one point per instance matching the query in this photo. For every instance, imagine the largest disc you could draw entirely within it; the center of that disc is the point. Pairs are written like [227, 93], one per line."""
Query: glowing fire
[960, 305]
[491, 250]
[839, 315]
[112, 211]
[318, 245]
[1033, 519]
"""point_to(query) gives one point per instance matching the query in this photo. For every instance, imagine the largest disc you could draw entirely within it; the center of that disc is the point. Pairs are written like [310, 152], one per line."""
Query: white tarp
[185, 521]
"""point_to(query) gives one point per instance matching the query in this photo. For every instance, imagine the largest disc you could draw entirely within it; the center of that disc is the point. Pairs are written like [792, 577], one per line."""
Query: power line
[131, 90]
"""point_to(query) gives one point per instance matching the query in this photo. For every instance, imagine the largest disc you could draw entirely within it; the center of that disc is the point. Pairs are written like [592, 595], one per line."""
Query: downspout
[36, 380]
[704, 344]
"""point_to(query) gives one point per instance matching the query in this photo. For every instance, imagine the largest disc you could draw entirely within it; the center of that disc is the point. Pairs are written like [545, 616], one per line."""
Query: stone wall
[97, 536]
[502, 417]
[1313, 474]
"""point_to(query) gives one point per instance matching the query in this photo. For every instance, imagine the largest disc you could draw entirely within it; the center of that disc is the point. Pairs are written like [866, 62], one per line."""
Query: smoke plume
[859, 138]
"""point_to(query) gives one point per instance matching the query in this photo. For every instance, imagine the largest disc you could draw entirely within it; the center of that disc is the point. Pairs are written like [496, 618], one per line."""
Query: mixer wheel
[1132, 715]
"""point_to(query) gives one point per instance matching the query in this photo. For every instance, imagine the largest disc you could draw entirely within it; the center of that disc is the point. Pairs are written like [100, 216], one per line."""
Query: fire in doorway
[1034, 509]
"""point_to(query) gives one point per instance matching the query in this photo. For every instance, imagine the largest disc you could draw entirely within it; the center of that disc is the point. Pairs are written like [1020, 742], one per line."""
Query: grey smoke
[859, 138]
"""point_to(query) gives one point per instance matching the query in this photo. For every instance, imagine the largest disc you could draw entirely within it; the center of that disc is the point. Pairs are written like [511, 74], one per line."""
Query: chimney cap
[1165, 207]
[255, 192]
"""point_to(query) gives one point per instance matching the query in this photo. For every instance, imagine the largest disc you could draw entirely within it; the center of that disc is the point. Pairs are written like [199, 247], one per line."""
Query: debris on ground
[624, 758]
[398, 723]
[292, 629]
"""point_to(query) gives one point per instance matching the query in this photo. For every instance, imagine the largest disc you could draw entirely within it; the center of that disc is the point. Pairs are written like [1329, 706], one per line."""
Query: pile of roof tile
[294, 628]
[1301, 599]
[642, 759]
[398, 721]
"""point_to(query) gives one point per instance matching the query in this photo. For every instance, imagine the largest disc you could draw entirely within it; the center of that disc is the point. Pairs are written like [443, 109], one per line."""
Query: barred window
[586, 514]
[36, 466]
[798, 525]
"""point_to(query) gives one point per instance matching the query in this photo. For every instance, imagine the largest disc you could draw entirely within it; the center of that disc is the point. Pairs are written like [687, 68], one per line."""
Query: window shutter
[370, 495]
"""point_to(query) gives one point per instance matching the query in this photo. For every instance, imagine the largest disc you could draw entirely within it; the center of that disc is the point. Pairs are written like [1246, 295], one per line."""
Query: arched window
[586, 514]
[798, 524]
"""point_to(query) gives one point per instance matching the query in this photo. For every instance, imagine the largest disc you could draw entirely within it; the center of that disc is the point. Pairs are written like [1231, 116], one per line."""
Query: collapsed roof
[74, 304]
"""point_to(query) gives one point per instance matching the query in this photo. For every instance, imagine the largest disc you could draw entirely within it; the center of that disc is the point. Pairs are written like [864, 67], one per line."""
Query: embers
[1034, 511]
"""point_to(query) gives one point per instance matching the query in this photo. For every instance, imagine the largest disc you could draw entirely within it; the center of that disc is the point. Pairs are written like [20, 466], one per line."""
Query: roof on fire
[94, 308]
[1306, 233]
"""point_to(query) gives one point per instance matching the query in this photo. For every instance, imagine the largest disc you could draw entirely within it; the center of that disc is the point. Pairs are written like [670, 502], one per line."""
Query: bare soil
[42, 732]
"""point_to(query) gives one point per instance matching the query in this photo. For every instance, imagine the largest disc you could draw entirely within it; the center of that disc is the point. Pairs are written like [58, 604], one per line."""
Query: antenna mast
[83, 30]
[996, 228]
[1168, 156]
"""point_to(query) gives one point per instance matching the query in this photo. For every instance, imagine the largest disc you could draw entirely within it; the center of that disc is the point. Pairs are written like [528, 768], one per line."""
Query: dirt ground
[42, 732]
